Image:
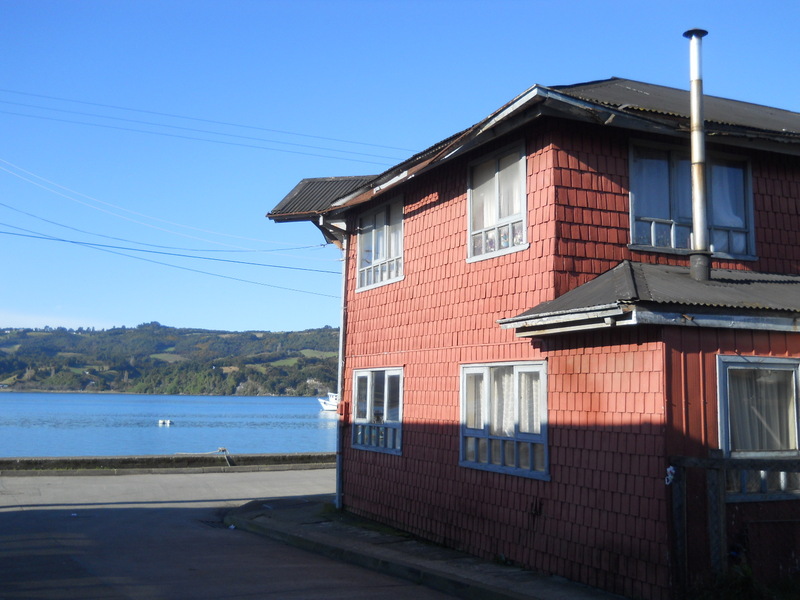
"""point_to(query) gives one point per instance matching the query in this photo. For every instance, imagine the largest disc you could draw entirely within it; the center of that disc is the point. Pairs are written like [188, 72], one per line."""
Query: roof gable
[614, 102]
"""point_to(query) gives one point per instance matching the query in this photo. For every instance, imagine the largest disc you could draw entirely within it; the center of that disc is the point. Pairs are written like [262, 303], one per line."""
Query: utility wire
[40, 236]
[198, 139]
[119, 239]
[63, 195]
[174, 116]
[52, 183]
[192, 129]
[157, 262]
[10, 172]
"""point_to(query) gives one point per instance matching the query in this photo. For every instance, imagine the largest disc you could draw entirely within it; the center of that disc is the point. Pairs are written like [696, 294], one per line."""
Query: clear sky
[142, 142]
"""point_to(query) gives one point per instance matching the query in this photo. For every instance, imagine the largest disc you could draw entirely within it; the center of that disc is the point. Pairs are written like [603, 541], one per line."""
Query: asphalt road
[161, 537]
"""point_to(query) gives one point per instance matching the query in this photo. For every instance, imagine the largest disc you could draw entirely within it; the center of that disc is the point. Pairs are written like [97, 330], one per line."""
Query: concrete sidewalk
[312, 523]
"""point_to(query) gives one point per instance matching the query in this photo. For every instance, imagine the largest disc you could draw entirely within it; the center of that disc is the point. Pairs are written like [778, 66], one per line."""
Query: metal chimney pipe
[700, 256]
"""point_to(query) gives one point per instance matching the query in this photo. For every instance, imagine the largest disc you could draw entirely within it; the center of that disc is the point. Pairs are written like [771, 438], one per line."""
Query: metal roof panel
[642, 283]
[315, 195]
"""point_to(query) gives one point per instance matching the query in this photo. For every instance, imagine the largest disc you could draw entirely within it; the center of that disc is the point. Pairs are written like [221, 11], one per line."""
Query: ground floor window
[760, 416]
[504, 418]
[378, 408]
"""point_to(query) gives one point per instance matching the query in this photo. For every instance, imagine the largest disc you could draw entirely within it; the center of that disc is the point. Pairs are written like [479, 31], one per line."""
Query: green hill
[154, 359]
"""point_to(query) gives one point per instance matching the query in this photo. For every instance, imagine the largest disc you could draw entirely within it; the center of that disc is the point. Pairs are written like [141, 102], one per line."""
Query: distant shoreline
[115, 393]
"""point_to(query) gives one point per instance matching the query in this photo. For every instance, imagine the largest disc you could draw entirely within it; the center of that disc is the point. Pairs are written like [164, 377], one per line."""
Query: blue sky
[142, 142]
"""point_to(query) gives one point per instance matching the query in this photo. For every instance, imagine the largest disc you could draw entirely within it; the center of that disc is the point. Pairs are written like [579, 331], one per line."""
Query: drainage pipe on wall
[340, 407]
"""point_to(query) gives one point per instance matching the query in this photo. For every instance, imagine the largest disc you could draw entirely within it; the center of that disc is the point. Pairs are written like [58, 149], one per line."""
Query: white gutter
[568, 322]
[593, 312]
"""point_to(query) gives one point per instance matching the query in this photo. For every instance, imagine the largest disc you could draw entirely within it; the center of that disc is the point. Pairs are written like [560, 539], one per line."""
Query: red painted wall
[693, 427]
[603, 517]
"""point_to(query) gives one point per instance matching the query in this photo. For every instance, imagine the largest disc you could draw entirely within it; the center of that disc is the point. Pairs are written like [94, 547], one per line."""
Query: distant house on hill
[532, 370]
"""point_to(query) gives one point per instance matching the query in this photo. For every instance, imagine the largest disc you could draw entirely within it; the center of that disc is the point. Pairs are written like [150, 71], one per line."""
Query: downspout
[340, 374]
[700, 255]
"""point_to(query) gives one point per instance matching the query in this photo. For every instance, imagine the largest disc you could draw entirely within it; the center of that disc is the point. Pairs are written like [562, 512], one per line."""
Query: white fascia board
[571, 322]
[568, 322]
[345, 199]
[719, 321]
[397, 178]
[512, 107]
[594, 312]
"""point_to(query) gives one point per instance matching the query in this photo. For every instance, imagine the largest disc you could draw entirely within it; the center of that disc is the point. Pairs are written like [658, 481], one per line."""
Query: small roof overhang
[640, 294]
[314, 196]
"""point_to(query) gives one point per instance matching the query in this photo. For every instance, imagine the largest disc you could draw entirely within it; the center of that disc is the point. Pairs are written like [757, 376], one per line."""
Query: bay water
[74, 424]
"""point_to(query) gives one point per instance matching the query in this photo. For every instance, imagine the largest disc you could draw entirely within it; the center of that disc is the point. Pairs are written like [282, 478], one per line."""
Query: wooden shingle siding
[693, 420]
[620, 401]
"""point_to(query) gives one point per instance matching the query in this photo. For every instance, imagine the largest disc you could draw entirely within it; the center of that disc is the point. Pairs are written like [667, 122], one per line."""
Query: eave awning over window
[638, 293]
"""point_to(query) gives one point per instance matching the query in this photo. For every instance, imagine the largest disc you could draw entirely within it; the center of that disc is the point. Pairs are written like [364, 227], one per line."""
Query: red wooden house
[532, 372]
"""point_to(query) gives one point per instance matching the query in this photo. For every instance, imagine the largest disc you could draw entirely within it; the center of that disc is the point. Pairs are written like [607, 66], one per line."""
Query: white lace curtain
[502, 422]
[763, 412]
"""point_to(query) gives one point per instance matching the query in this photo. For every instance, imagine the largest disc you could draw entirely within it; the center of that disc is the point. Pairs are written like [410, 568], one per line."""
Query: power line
[58, 193]
[119, 239]
[192, 129]
[227, 123]
[63, 195]
[197, 139]
[40, 236]
[157, 262]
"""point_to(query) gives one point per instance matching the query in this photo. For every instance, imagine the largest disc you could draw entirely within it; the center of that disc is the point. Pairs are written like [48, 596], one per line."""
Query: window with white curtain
[504, 418]
[661, 201]
[759, 414]
[378, 408]
[497, 214]
[380, 246]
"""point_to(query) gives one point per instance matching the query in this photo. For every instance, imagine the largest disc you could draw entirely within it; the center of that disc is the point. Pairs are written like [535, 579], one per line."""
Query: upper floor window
[378, 409]
[504, 418]
[661, 202]
[380, 246]
[497, 214]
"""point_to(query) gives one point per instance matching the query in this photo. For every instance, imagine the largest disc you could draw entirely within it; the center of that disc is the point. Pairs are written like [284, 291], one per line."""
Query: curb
[106, 472]
[428, 576]
[182, 462]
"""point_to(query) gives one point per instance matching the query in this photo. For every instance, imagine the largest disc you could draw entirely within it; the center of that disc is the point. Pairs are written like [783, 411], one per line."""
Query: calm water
[123, 424]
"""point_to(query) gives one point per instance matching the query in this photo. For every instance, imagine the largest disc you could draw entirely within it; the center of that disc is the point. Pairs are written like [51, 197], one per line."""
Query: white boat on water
[166, 422]
[330, 402]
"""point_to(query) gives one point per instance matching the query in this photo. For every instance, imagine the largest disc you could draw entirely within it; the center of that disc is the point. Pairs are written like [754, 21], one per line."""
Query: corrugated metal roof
[641, 283]
[662, 100]
[615, 102]
[313, 196]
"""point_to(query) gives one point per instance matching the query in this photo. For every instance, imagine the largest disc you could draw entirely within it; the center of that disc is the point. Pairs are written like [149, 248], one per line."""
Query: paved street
[161, 537]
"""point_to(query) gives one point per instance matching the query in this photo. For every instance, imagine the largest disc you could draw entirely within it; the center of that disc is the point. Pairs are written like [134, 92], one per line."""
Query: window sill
[395, 451]
[495, 254]
[687, 252]
[540, 475]
[381, 284]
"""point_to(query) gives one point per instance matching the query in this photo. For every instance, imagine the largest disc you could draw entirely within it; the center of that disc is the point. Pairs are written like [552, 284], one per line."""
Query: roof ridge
[625, 284]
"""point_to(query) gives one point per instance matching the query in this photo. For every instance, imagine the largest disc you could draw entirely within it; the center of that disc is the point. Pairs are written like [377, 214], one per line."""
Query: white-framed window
[504, 418]
[661, 202]
[497, 205]
[378, 409]
[380, 246]
[759, 417]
